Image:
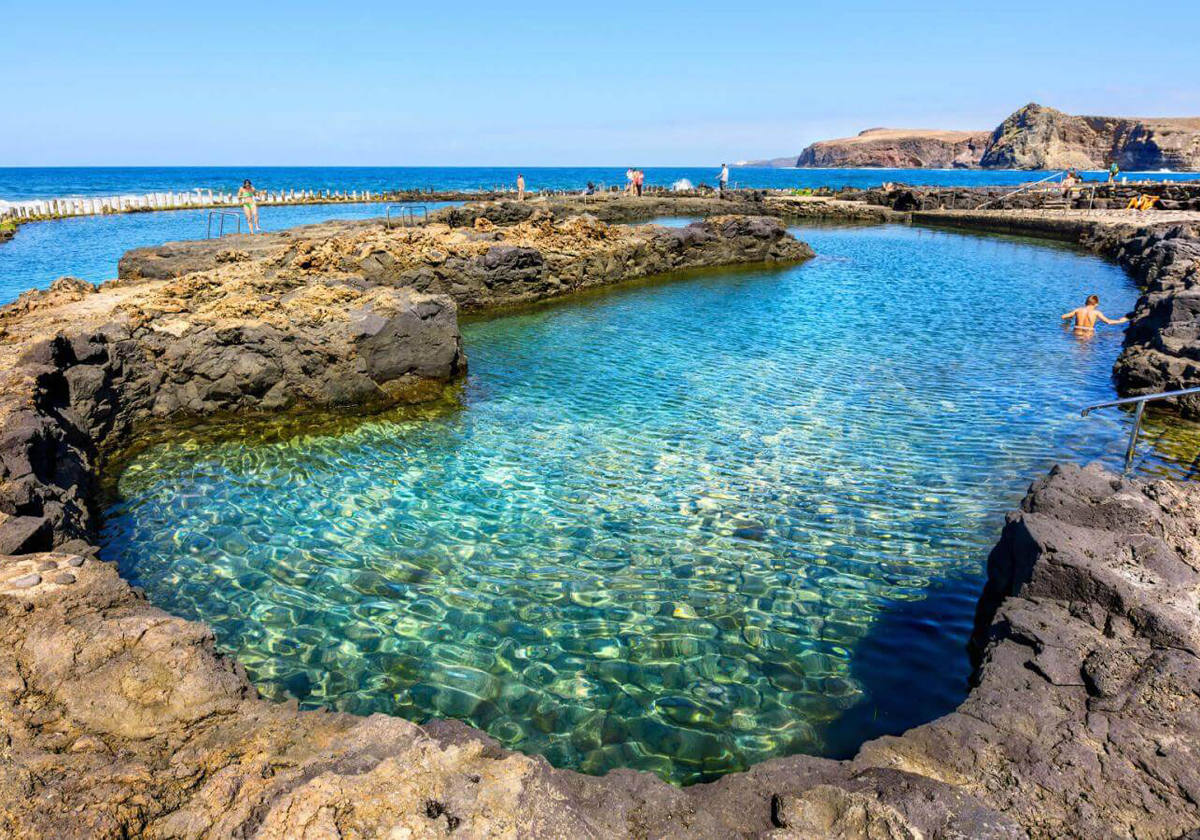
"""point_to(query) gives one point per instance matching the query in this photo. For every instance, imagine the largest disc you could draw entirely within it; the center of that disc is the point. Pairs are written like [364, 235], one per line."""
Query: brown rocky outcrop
[1033, 137]
[898, 148]
[1037, 137]
[337, 315]
[489, 255]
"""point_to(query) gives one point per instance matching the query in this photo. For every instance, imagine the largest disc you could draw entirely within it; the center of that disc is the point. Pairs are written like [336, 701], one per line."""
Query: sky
[557, 84]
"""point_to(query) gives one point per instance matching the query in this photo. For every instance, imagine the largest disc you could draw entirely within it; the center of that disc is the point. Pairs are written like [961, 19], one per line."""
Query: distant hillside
[898, 148]
[1034, 137]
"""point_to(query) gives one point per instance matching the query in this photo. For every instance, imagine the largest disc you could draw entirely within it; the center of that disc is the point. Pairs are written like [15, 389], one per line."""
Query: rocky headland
[1037, 137]
[119, 720]
[1033, 137]
[898, 148]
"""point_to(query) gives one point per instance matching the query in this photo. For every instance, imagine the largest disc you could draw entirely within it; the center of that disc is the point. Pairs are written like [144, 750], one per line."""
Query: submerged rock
[1082, 718]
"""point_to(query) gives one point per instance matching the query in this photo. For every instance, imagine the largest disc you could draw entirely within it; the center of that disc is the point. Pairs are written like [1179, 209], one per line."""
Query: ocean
[24, 183]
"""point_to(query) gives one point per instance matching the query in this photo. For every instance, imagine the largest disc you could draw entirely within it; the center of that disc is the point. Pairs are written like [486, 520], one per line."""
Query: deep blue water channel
[682, 526]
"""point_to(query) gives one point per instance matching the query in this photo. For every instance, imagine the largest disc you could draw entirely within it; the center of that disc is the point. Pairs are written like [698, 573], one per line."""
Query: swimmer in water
[1087, 315]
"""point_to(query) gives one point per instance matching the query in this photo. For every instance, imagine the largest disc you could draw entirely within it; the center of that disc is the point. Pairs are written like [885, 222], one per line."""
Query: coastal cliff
[898, 148]
[1033, 137]
[1037, 137]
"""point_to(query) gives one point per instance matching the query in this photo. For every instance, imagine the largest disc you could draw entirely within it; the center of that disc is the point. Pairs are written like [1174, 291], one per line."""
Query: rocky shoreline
[121, 720]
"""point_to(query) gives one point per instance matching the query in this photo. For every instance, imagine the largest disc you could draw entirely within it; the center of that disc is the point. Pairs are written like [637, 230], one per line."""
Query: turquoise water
[683, 527]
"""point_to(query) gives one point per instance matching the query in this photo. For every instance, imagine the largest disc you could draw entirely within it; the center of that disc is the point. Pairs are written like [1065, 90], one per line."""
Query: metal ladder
[1137, 417]
[408, 214]
[221, 227]
[1020, 189]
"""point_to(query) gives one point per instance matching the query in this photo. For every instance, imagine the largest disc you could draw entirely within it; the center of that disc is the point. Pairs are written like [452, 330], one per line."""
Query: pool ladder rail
[1137, 416]
[407, 215]
[222, 214]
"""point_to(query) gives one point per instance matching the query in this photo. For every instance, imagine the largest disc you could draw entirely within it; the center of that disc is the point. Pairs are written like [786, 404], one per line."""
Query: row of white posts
[62, 207]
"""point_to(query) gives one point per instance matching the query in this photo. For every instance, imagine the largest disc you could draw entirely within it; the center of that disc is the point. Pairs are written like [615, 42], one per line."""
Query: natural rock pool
[683, 526]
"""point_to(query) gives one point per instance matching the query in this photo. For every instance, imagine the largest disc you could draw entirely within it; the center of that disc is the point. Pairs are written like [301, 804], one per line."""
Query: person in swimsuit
[520, 187]
[246, 194]
[1087, 315]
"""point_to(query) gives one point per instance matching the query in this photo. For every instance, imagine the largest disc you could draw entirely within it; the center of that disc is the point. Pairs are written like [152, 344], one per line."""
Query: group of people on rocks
[634, 181]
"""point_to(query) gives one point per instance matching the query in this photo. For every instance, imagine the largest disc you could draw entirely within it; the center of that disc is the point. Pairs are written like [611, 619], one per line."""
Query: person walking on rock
[247, 196]
[723, 180]
[520, 187]
[639, 178]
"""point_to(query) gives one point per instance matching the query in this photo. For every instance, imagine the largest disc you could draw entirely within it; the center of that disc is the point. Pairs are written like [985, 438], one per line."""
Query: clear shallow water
[90, 246]
[682, 527]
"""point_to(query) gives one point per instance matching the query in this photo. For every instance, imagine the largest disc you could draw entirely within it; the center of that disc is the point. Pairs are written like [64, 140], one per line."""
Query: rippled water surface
[682, 527]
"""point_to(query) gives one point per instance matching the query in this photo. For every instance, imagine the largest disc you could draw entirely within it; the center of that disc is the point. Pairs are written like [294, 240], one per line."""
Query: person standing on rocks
[520, 187]
[247, 195]
[723, 180]
[1113, 172]
[639, 178]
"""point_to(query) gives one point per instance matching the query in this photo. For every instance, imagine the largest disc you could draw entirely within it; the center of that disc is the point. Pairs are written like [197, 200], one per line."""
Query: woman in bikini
[246, 195]
[1087, 315]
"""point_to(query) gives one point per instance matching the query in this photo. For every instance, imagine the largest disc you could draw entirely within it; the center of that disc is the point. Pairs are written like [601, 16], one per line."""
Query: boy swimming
[1087, 315]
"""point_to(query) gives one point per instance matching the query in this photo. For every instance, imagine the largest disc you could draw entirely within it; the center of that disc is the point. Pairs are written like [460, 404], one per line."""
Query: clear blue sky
[563, 83]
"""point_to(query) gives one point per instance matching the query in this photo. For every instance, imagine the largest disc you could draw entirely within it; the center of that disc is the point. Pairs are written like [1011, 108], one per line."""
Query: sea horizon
[30, 183]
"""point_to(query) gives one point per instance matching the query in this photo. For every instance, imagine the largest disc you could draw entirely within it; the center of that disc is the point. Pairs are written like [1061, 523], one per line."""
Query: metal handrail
[1137, 417]
[1019, 190]
[408, 214]
[221, 227]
